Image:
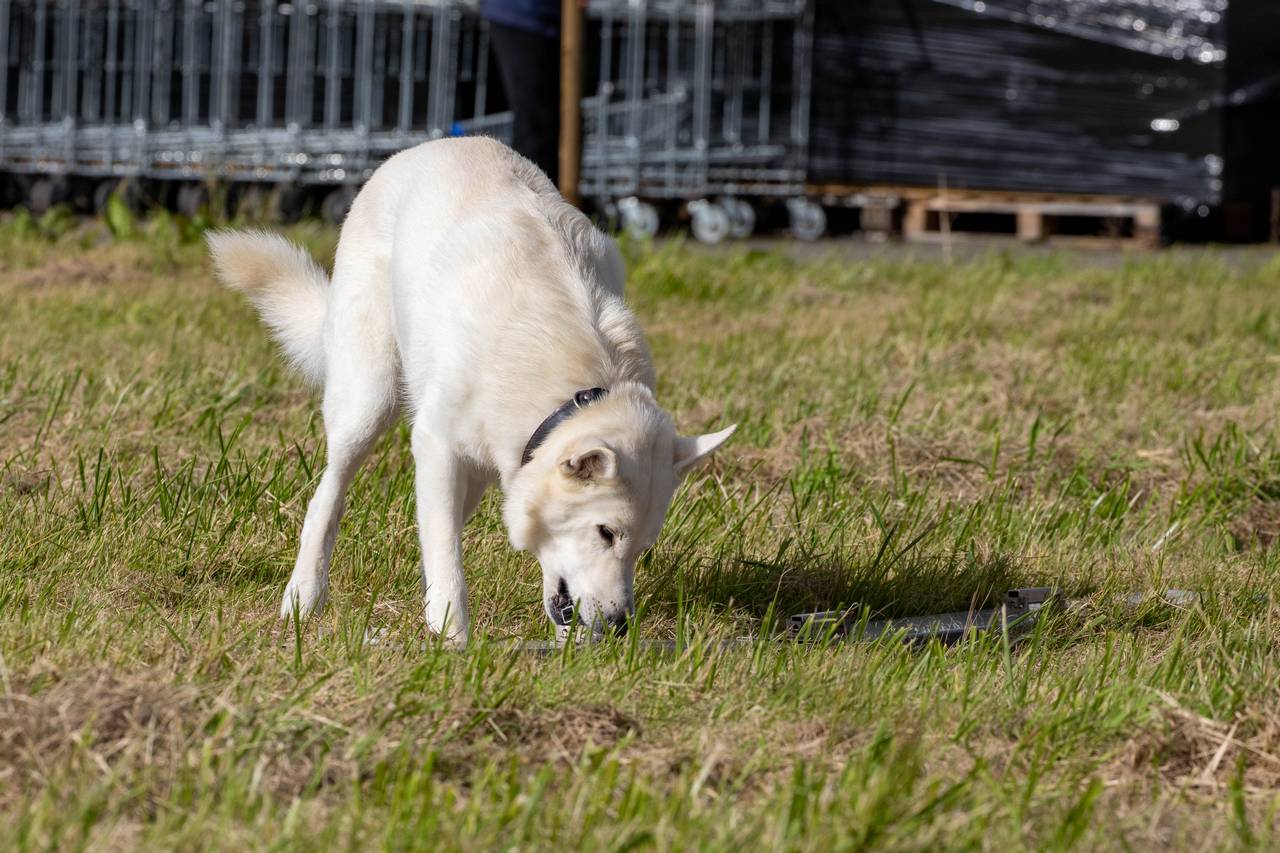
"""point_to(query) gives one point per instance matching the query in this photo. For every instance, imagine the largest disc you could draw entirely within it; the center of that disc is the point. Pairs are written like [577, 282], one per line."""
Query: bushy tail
[287, 287]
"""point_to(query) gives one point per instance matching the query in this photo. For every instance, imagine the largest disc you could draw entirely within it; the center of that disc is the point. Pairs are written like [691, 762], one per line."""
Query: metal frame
[240, 90]
[704, 102]
[697, 99]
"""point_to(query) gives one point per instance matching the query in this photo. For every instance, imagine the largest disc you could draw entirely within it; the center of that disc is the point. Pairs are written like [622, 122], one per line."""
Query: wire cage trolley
[700, 102]
[260, 93]
[700, 105]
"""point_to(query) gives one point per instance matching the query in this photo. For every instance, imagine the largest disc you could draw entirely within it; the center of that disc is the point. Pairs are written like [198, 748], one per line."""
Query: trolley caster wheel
[191, 199]
[287, 203]
[710, 223]
[43, 194]
[639, 218]
[742, 217]
[101, 195]
[128, 189]
[248, 201]
[808, 220]
[10, 191]
[336, 203]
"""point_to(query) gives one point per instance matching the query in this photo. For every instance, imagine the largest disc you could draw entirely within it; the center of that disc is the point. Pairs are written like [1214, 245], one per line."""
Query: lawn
[915, 436]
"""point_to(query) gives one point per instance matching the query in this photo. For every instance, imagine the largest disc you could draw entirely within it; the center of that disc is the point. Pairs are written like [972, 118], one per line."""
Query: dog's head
[594, 498]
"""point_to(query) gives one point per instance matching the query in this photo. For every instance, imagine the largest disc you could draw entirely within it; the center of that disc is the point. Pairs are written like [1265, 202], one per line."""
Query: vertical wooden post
[571, 26]
[1146, 226]
[915, 221]
[1030, 225]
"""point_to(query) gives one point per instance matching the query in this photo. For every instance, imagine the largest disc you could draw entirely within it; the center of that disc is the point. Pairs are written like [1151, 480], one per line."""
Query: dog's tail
[287, 287]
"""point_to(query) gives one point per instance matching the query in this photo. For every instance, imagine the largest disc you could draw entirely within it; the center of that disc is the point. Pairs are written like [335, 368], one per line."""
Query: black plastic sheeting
[1177, 29]
[1126, 97]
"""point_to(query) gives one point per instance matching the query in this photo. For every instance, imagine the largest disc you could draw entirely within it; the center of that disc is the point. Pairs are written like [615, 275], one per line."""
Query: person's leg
[529, 64]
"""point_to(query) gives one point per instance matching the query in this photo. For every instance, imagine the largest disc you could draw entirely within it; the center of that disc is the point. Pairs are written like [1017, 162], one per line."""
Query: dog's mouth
[560, 605]
[560, 608]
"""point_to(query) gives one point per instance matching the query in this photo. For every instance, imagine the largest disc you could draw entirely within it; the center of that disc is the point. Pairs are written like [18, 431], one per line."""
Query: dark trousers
[530, 67]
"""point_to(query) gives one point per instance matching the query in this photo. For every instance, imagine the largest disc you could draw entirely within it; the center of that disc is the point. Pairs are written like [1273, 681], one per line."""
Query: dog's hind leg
[361, 396]
[354, 419]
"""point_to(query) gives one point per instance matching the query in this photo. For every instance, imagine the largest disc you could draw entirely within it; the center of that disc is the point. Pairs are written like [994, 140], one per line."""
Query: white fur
[466, 287]
[286, 286]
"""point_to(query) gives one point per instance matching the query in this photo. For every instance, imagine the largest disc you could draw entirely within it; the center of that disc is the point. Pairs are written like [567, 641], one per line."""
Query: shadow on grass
[917, 584]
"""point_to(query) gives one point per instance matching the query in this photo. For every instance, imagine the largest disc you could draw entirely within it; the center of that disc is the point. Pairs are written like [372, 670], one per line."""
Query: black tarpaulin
[1125, 97]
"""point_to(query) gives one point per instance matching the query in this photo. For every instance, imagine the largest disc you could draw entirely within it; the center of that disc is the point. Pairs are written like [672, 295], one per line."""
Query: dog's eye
[607, 534]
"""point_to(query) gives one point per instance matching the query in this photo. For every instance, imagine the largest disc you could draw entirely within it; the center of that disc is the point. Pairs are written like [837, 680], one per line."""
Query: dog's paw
[302, 599]
[455, 642]
[448, 626]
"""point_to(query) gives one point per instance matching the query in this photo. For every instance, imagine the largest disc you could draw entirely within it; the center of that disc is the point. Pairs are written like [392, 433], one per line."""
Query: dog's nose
[618, 623]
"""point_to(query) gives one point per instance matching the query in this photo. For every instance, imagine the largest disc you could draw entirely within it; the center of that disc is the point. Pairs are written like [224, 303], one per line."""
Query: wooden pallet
[930, 214]
[1032, 217]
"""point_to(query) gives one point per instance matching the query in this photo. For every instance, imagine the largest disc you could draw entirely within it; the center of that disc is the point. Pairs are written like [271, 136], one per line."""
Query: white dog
[465, 285]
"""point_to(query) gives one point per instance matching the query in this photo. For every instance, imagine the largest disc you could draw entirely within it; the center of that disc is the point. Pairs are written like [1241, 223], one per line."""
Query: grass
[915, 437]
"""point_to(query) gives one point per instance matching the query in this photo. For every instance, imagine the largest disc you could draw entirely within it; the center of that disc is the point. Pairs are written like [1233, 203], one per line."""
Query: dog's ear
[693, 449]
[589, 459]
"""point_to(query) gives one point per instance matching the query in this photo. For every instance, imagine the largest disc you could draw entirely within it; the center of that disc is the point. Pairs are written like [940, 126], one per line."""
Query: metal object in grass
[1017, 613]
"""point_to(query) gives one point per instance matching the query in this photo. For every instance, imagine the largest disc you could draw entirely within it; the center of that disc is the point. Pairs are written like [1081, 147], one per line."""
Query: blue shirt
[536, 16]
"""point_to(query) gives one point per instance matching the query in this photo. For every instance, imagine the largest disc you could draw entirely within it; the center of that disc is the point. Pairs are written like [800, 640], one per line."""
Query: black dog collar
[580, 400]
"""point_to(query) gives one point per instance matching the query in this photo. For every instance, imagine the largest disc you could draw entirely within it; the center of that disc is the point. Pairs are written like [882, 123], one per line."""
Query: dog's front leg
[441, 490]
